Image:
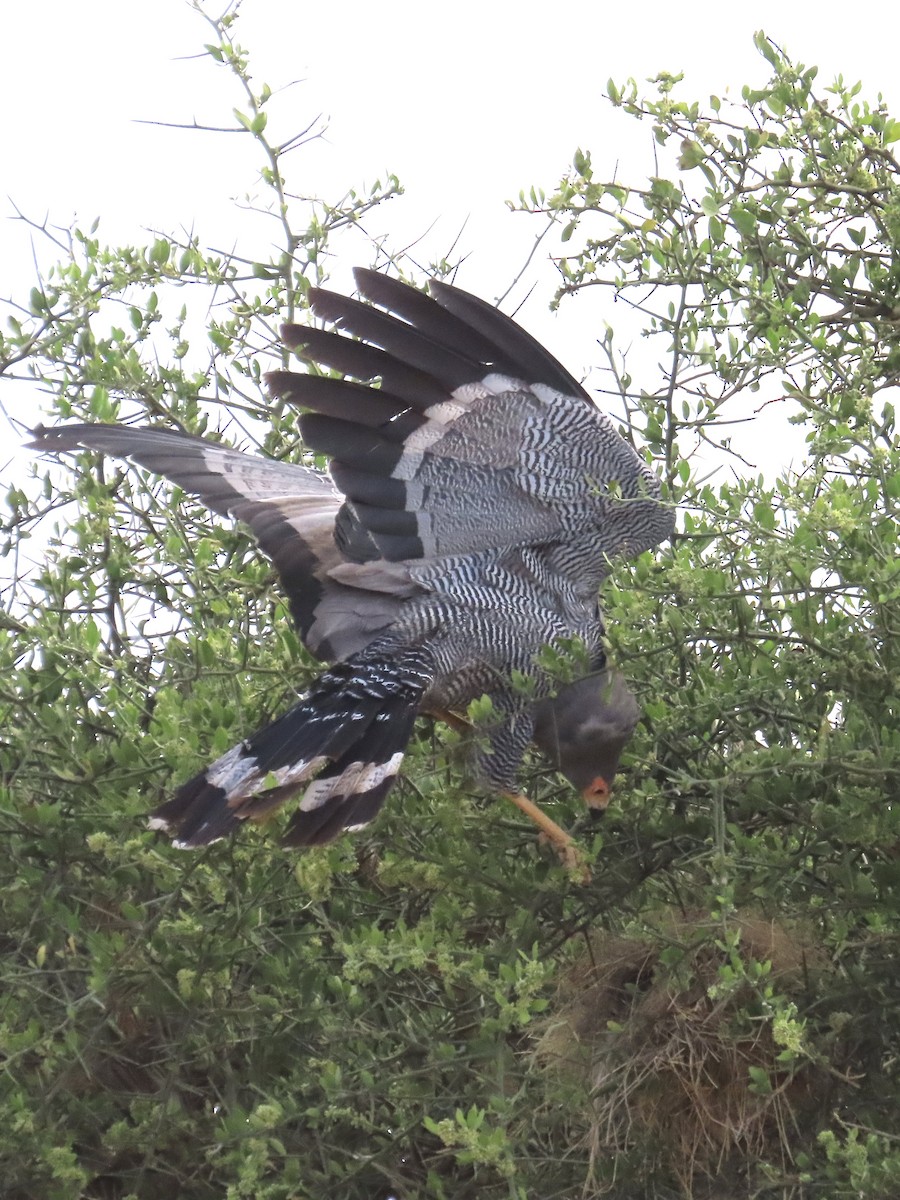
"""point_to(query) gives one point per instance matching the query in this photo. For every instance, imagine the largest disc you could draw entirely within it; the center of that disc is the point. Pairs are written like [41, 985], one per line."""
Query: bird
[475, 500]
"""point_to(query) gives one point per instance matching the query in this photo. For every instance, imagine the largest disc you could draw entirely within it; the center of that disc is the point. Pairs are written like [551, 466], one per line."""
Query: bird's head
[584, 728]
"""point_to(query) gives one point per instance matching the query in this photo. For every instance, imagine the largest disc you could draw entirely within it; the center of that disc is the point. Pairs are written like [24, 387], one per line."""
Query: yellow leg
[562, 842]
[460, 724]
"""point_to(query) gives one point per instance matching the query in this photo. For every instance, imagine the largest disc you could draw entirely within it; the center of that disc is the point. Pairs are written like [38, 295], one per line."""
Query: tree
[434, 1008]
[764, 263]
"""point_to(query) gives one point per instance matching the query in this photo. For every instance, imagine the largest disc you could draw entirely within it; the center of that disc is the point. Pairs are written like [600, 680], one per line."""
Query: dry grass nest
[679, 1066]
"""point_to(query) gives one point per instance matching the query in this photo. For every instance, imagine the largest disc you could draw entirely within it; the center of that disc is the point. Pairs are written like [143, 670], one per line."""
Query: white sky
[467, 104]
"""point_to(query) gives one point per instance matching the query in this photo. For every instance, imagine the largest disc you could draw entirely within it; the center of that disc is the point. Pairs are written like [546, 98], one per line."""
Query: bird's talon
[567, 852]
[569, 856]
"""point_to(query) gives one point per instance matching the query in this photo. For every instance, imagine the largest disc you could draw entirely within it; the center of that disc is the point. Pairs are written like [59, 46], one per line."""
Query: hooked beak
[596, 796]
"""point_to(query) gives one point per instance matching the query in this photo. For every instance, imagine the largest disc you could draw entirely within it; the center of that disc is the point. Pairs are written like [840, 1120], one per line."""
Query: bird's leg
[562, 842]
[454, 720]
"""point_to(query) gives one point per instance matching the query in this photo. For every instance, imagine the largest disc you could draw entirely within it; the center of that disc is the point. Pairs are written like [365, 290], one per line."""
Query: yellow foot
[564, 845]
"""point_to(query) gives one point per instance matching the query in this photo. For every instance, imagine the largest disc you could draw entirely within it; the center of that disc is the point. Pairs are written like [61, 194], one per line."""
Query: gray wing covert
[290, 509]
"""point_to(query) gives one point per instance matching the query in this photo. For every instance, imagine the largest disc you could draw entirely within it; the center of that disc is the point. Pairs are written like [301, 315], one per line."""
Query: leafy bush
[385, 1017]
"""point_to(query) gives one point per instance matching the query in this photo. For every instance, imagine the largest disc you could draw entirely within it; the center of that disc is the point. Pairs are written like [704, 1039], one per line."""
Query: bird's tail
[343, 743]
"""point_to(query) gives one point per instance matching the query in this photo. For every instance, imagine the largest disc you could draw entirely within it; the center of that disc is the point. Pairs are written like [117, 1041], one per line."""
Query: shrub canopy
[434, 1008]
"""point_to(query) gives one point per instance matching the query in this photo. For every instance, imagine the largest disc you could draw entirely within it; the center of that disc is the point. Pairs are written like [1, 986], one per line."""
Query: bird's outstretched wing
[476, 438]
[290, 509]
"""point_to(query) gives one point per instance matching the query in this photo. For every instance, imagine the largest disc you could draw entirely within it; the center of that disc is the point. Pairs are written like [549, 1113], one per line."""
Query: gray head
[583, 730]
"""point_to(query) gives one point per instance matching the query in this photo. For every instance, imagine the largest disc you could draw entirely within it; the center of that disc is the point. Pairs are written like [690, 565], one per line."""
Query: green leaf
[692, 155]
[160, 251]
[767, 50]
[760, 1081]
[710, 203]
[744, 221]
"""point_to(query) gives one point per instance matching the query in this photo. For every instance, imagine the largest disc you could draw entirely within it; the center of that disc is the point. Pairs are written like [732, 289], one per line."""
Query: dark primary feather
[542, 462]
[476, 500]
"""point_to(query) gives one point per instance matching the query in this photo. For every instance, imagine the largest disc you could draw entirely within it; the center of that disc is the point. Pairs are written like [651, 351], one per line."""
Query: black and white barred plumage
[476, 499]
